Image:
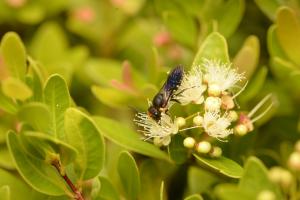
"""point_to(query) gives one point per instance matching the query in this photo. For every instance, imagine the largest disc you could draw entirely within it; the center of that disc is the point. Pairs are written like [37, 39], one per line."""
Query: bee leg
[175, 100]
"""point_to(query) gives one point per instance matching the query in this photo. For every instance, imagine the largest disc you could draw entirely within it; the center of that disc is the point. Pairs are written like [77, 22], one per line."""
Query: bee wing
[173, 81]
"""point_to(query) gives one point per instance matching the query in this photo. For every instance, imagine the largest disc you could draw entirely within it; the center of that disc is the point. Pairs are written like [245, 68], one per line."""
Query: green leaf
[37, 115]
[284, 70]
[222, 165]
[18, 189]
[194, 197]
[5, 192]
[101, 71]
[274, 47]
[127, 138]
[213, 47]
[231, 192]
[107, 190]
[230, 16]
[256, 179]
[152, 178]
[49, 44]
[110, 97]
[41, 145]
[181, 26]
[83, 135]
[7, 104]
[6, 159]
[14, 55]
[37, 173]
[57, 97]
[129, 175]
[247, 58]
[268, 7]
[255, 85]
[195, 174]
[31, 14]
[288, 31]
[177, 151]
[16, 89]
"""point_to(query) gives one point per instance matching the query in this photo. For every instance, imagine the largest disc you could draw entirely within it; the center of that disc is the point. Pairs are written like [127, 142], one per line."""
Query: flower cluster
[213, 86]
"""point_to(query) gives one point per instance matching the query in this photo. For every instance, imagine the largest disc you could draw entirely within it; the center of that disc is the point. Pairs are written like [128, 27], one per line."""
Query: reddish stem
[78, 195]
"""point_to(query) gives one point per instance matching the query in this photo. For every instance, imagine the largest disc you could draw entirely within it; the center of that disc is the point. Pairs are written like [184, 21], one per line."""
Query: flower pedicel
[210, 86]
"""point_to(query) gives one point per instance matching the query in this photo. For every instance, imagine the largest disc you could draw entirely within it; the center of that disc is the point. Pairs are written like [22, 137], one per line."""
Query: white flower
[160, 131]
[220, 74]
[212, 104]
[191, 88]
[216, 125]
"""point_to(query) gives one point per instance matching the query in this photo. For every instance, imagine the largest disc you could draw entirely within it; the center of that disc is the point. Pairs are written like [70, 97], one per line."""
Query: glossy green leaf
[214, 47]
[5, 192]
[247, 58]
[18, 189]
[177, 151]
[181, 26]
[83, 135]
[255, 179]
[16, 89]
[129, 175]
[230, 16]
[6, 161]
[231, 192]
[194, 197]
[7, 104]
[31, 113]
[288, 31]
[57, 97]
[14, 55]
[37, 173]
[127, 138]
[41, 145]
[274, 47]
[269, 7]
[222, 165]
[107, 190]
[195, 175]
[255, 85]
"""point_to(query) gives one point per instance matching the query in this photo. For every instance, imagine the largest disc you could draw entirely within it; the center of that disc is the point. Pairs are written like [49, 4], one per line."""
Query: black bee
[166, 93]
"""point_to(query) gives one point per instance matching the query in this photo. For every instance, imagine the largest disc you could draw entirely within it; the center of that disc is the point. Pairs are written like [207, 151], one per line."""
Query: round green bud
[297, 146]
[266, 195]
[275, 174]
[203, 147]
[294, 161]
[189, 142]
[216, 152]
[198, 120]
[180, 121]
[240, 130]
[233, 116]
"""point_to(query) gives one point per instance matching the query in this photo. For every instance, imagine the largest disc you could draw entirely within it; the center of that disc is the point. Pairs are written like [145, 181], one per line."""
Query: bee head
[154, 113]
